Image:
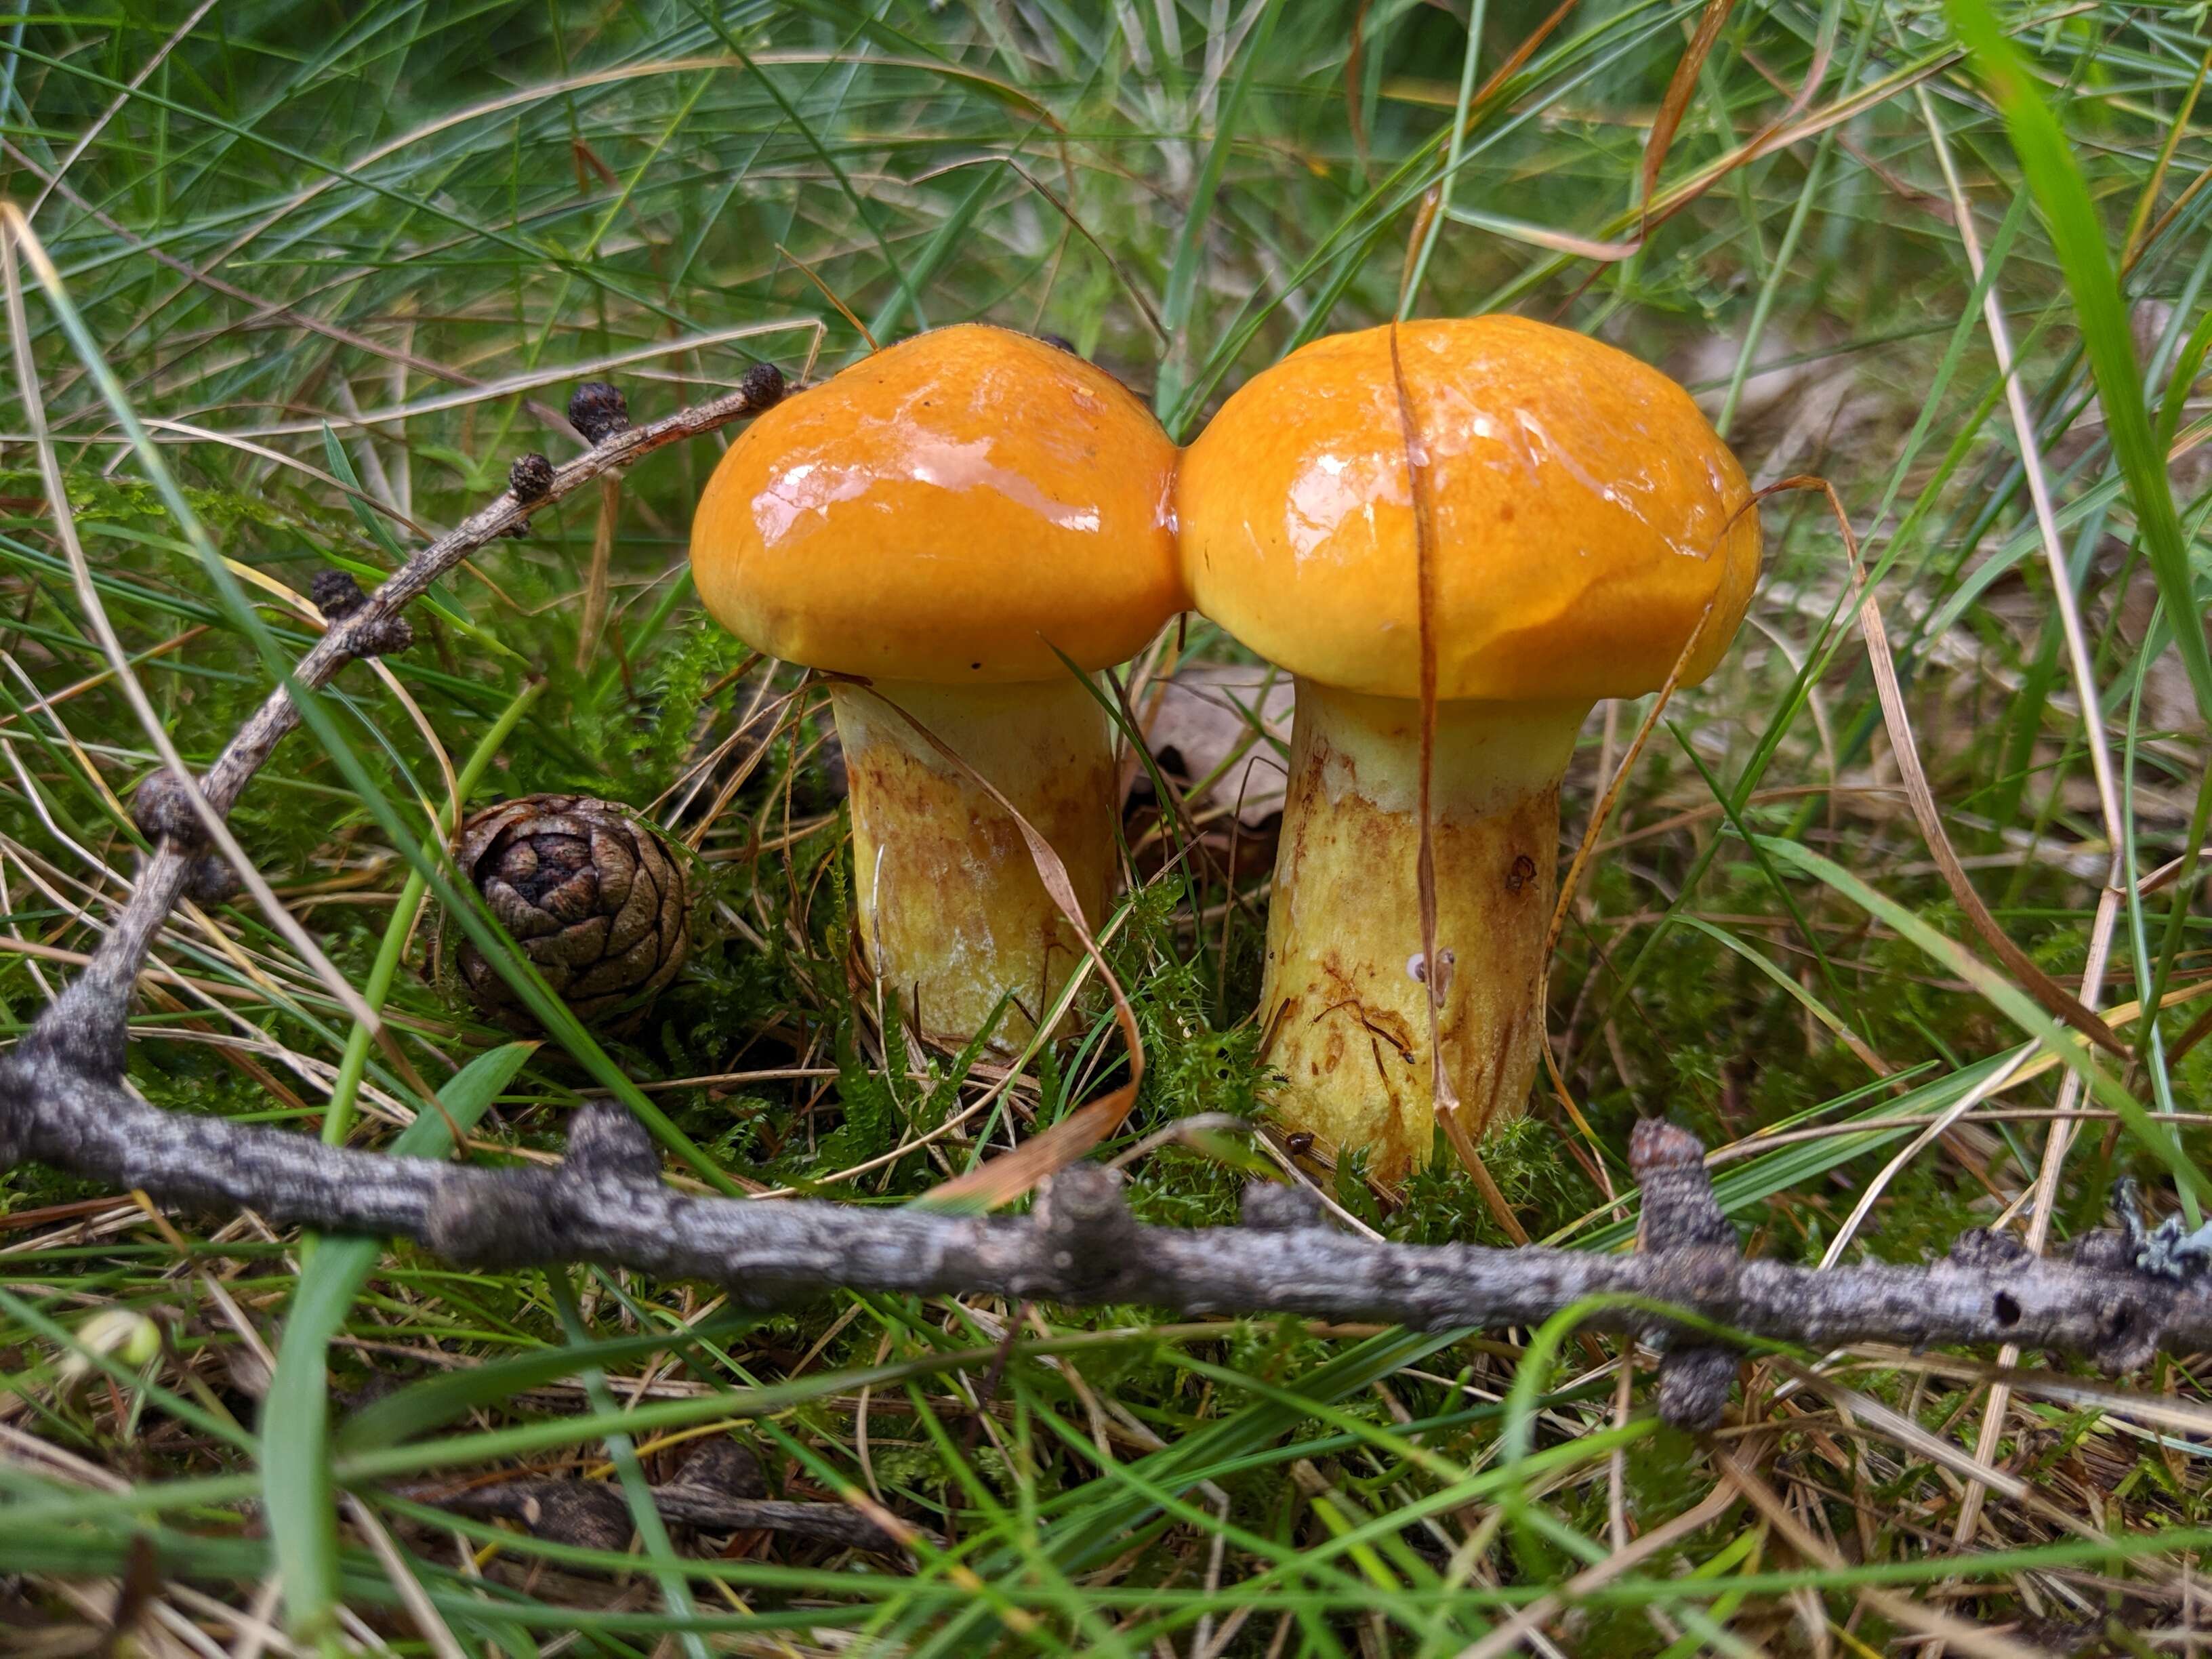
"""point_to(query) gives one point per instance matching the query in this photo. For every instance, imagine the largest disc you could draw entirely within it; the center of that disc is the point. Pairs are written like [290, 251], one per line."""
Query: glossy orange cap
[947, 510]
[1584, 513]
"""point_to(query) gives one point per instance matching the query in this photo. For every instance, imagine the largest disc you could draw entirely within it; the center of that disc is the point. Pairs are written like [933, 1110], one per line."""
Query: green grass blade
[295, 1464]
[2078, 235]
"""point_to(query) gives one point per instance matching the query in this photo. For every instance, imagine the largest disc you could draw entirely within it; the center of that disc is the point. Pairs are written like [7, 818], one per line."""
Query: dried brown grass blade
[831, 295]
[1058, 203]
[1424, 215]
[1913, 1615]
[2131, 244]
[2174, 209]
[595, 582]
[1495, 81]
[1005, 1179]
[1776, 134]
[18, 241]
[1680, 88]
[1425, 580]
[2162, 1410]
[1444, 1097]
[1519, 56]
[1571, 882]
[2060, 1003]
[1879, 1418]
[1355, 71]
[1508, 1637]
[2199, 1028]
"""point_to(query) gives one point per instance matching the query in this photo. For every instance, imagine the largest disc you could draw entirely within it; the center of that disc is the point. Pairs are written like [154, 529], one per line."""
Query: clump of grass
[349, 266]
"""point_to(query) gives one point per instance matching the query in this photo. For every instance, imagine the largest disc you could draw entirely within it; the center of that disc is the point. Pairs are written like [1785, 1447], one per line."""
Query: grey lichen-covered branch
[607, 1203]
[63, 1101]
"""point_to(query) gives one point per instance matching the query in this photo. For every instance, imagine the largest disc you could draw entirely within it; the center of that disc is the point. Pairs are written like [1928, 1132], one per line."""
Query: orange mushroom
[1585, 523]
[944, 522]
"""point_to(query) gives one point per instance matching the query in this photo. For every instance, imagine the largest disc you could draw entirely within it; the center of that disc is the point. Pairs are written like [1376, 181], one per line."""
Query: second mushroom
[1583, 526]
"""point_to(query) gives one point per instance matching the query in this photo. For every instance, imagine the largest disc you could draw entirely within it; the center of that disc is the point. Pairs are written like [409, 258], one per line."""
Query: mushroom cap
[949, 510]
[1582, 510]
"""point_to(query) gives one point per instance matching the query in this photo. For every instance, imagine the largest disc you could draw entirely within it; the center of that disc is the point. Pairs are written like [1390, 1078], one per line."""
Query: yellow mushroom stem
[953, 916]
[1344, 995]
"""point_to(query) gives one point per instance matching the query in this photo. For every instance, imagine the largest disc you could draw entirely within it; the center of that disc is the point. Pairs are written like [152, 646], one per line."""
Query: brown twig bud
[388, 637]
[1274, 1207]
[212, 880]
[763, 387]
[162, 809]
[335, 594]
[605, 1141]
[1679, 1209]
[1084, 1222]
[530, 478]
[598, 411]
[1681, 1213]
[590, 892]
[338, 596]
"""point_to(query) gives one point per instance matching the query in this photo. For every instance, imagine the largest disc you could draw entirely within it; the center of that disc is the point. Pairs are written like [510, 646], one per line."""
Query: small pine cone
[590, 892]
[599, 411]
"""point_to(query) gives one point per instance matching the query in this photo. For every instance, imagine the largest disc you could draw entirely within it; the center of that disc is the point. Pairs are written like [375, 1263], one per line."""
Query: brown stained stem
[65, 1102]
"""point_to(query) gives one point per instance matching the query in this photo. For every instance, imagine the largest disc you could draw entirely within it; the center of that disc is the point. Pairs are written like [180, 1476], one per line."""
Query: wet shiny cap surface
[948, 509]
[1584, 513]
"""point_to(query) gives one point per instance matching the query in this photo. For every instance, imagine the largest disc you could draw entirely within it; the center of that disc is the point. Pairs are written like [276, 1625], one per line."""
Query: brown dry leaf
[1007, 1178]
